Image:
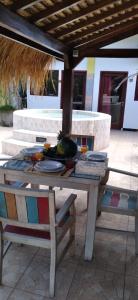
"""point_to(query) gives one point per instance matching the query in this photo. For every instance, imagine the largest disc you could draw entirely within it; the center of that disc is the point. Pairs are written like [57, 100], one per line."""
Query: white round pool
[50, 120]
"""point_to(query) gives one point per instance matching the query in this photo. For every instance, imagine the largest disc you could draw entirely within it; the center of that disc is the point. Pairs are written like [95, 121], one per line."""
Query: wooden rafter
[109, 31]
[23, 4]
[92, 20]
[79, 14]
[58, 7]
[110, 38]
[21, 27]
[102, 25]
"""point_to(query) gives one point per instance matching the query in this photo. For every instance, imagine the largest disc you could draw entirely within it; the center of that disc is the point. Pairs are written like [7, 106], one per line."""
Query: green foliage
[6, 108]
[22, 91]
[3, 98]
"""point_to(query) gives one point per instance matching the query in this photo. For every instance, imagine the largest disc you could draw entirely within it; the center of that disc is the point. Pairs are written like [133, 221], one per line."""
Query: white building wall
[130, 43]
[129, 65]
[35, 101]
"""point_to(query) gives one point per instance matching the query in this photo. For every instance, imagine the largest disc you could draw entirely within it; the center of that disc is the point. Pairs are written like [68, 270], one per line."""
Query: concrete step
[13, 147]
[30, 135]
[4, 156]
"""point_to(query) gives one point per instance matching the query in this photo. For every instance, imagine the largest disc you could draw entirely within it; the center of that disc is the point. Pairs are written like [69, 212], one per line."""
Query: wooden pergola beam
[92, 20]
[18, 26]
[109, 53]
[56, 8]
[102, 25]
[78, 14]
[22, 4]
[118, 53]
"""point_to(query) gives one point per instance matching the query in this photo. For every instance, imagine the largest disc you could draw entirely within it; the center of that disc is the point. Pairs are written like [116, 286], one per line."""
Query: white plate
[48, 171]
[17, 165]
[49, 166]
[31, 151]
[96, 157]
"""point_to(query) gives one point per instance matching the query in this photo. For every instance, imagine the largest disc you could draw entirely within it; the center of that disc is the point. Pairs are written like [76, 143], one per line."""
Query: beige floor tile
[131, 239]
[109, 256]
[69, 256]
[36, 278]
[15, 262]
[111, 236]
[20, 295]
[81, 224]
[131, 288]
[5, 292]
[131, 258]
[92, 283]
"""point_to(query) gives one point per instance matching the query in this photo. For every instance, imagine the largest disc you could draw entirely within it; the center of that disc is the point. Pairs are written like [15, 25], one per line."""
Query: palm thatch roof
[18, 62]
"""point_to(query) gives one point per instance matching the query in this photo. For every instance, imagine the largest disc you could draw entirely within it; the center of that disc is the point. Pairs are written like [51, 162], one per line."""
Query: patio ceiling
[59, 27]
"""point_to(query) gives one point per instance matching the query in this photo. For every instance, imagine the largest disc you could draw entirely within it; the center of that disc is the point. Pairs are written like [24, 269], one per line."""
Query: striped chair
[31, 218]
[83, 140]
[119, 200]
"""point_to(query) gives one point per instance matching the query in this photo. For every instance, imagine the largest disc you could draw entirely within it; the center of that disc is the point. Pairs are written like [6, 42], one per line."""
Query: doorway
[112, 96]
[79, 89]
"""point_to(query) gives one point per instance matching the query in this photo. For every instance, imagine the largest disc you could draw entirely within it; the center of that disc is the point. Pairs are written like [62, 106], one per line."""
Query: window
[51, 85]
[136, 90]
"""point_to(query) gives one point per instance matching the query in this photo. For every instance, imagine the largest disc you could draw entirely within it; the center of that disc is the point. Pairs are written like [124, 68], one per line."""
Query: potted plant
[6, 111]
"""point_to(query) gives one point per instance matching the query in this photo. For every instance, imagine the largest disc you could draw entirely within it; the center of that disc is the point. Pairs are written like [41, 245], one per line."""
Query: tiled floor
[113, 272]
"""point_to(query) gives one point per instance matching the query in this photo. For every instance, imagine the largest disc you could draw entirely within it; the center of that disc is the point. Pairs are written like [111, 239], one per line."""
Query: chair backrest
[83, 140]
[27, 206]
[120, 200]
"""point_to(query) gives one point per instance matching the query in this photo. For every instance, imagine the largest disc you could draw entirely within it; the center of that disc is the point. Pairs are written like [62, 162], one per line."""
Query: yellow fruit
[60, 149]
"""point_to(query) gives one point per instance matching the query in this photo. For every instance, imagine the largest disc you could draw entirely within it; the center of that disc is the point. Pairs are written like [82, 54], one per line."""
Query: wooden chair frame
[55, 228]
[130, 212]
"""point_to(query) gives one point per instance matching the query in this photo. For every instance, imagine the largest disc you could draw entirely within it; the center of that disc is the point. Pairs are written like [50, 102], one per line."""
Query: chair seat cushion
[27, 231]
[120, 200]
[33, 232]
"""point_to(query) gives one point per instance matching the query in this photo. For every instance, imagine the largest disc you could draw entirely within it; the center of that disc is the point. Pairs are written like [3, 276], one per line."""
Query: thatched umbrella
[18, 62]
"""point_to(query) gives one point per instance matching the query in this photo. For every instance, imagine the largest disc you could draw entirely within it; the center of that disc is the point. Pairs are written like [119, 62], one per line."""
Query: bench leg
[136, 235]
[52, 271]
[72, 230]
[1, 252]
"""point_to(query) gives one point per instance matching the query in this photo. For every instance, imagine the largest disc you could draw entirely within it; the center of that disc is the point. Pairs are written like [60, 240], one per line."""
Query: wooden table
[89, 185]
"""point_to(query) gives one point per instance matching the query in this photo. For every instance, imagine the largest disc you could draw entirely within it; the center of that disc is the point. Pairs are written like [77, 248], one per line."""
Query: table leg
[91, 219]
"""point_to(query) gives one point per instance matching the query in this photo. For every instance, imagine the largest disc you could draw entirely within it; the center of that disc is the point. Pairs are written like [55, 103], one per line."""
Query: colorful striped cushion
[24, 209]
[118, 200]
[27, 231]
[84, 141]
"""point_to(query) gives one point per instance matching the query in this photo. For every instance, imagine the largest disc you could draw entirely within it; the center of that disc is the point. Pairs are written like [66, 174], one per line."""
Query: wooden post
[67, 98]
